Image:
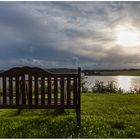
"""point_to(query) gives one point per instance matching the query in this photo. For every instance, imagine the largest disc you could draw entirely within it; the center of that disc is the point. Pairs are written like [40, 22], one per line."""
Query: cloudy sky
[98, 35]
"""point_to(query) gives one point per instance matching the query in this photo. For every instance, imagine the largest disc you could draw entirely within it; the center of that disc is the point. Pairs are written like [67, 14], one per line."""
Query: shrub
[111, 87]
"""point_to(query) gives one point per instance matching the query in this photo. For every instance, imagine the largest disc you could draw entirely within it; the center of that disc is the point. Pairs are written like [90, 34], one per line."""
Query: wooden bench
[35, 88]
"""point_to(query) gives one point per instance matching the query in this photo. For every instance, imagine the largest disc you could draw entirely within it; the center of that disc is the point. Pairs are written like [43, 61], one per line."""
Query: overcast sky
[67, 34]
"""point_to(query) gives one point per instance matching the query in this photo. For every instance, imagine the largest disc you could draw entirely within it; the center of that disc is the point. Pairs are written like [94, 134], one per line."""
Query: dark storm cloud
[64, 34]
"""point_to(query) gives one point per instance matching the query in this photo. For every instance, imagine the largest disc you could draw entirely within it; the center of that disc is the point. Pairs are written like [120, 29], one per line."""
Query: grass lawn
[103, 116]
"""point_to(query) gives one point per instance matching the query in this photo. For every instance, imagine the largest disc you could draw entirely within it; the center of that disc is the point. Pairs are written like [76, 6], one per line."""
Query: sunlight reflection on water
[123, 82]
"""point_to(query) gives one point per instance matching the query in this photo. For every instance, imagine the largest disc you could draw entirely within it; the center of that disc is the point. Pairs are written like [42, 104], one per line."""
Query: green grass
[103, 116]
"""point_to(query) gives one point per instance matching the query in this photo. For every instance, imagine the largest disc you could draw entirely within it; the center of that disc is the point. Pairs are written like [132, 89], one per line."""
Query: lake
[123, 82]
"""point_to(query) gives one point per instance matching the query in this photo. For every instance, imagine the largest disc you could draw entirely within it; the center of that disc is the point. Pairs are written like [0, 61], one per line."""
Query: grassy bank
[103, 116]
[117, 73]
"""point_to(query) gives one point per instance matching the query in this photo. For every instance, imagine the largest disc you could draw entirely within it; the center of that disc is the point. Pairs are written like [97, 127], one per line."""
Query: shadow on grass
[42, 128]
[33, 112]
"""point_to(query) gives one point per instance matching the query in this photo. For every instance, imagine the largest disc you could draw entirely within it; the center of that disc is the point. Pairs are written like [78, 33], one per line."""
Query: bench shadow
[34, 112]
[8, 112]
[45, 128]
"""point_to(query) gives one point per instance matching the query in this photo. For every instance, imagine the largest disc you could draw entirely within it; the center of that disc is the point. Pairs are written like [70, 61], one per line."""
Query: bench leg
[19, 110]
[78, 117]
[62, 110]
[59, 110]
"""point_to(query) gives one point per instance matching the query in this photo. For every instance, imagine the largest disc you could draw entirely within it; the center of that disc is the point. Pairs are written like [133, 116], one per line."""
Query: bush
[111, 87]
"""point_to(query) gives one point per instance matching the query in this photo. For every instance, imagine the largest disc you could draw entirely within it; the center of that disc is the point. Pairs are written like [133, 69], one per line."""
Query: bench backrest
[28, 86]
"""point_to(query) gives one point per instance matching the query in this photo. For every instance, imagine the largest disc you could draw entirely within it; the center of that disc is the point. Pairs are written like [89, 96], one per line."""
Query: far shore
[113, 73]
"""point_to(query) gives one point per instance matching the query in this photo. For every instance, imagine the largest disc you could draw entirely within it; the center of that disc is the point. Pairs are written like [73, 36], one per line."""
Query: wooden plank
[11, 90]
[18, 70]
[30, 90]
[64, 75]
[78, 110]
[68, 91]
[55, 90]
[4, 90]
[62, 90]
[17, 90]
[46, 90]
[75, 91]
[23, 89]
[42, 90]
[1, 90]
[49, 90]
[79, 89]
[36, 90]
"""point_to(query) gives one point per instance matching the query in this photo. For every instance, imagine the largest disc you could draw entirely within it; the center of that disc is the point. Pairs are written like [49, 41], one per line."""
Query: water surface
[124, 82]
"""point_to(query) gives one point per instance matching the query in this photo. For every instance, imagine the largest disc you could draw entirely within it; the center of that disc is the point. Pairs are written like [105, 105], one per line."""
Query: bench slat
[23, 89]
[42, 90]
[55, 90]
[62, 90]
[68, 91]
[30, 90]
[17, 90]
[75, 91]
[36, 90]
[11, 90]
[49, 90]
[4, 90]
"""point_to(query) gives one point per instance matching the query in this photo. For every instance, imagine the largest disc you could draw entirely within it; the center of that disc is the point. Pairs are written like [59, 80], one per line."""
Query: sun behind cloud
[127, 36]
